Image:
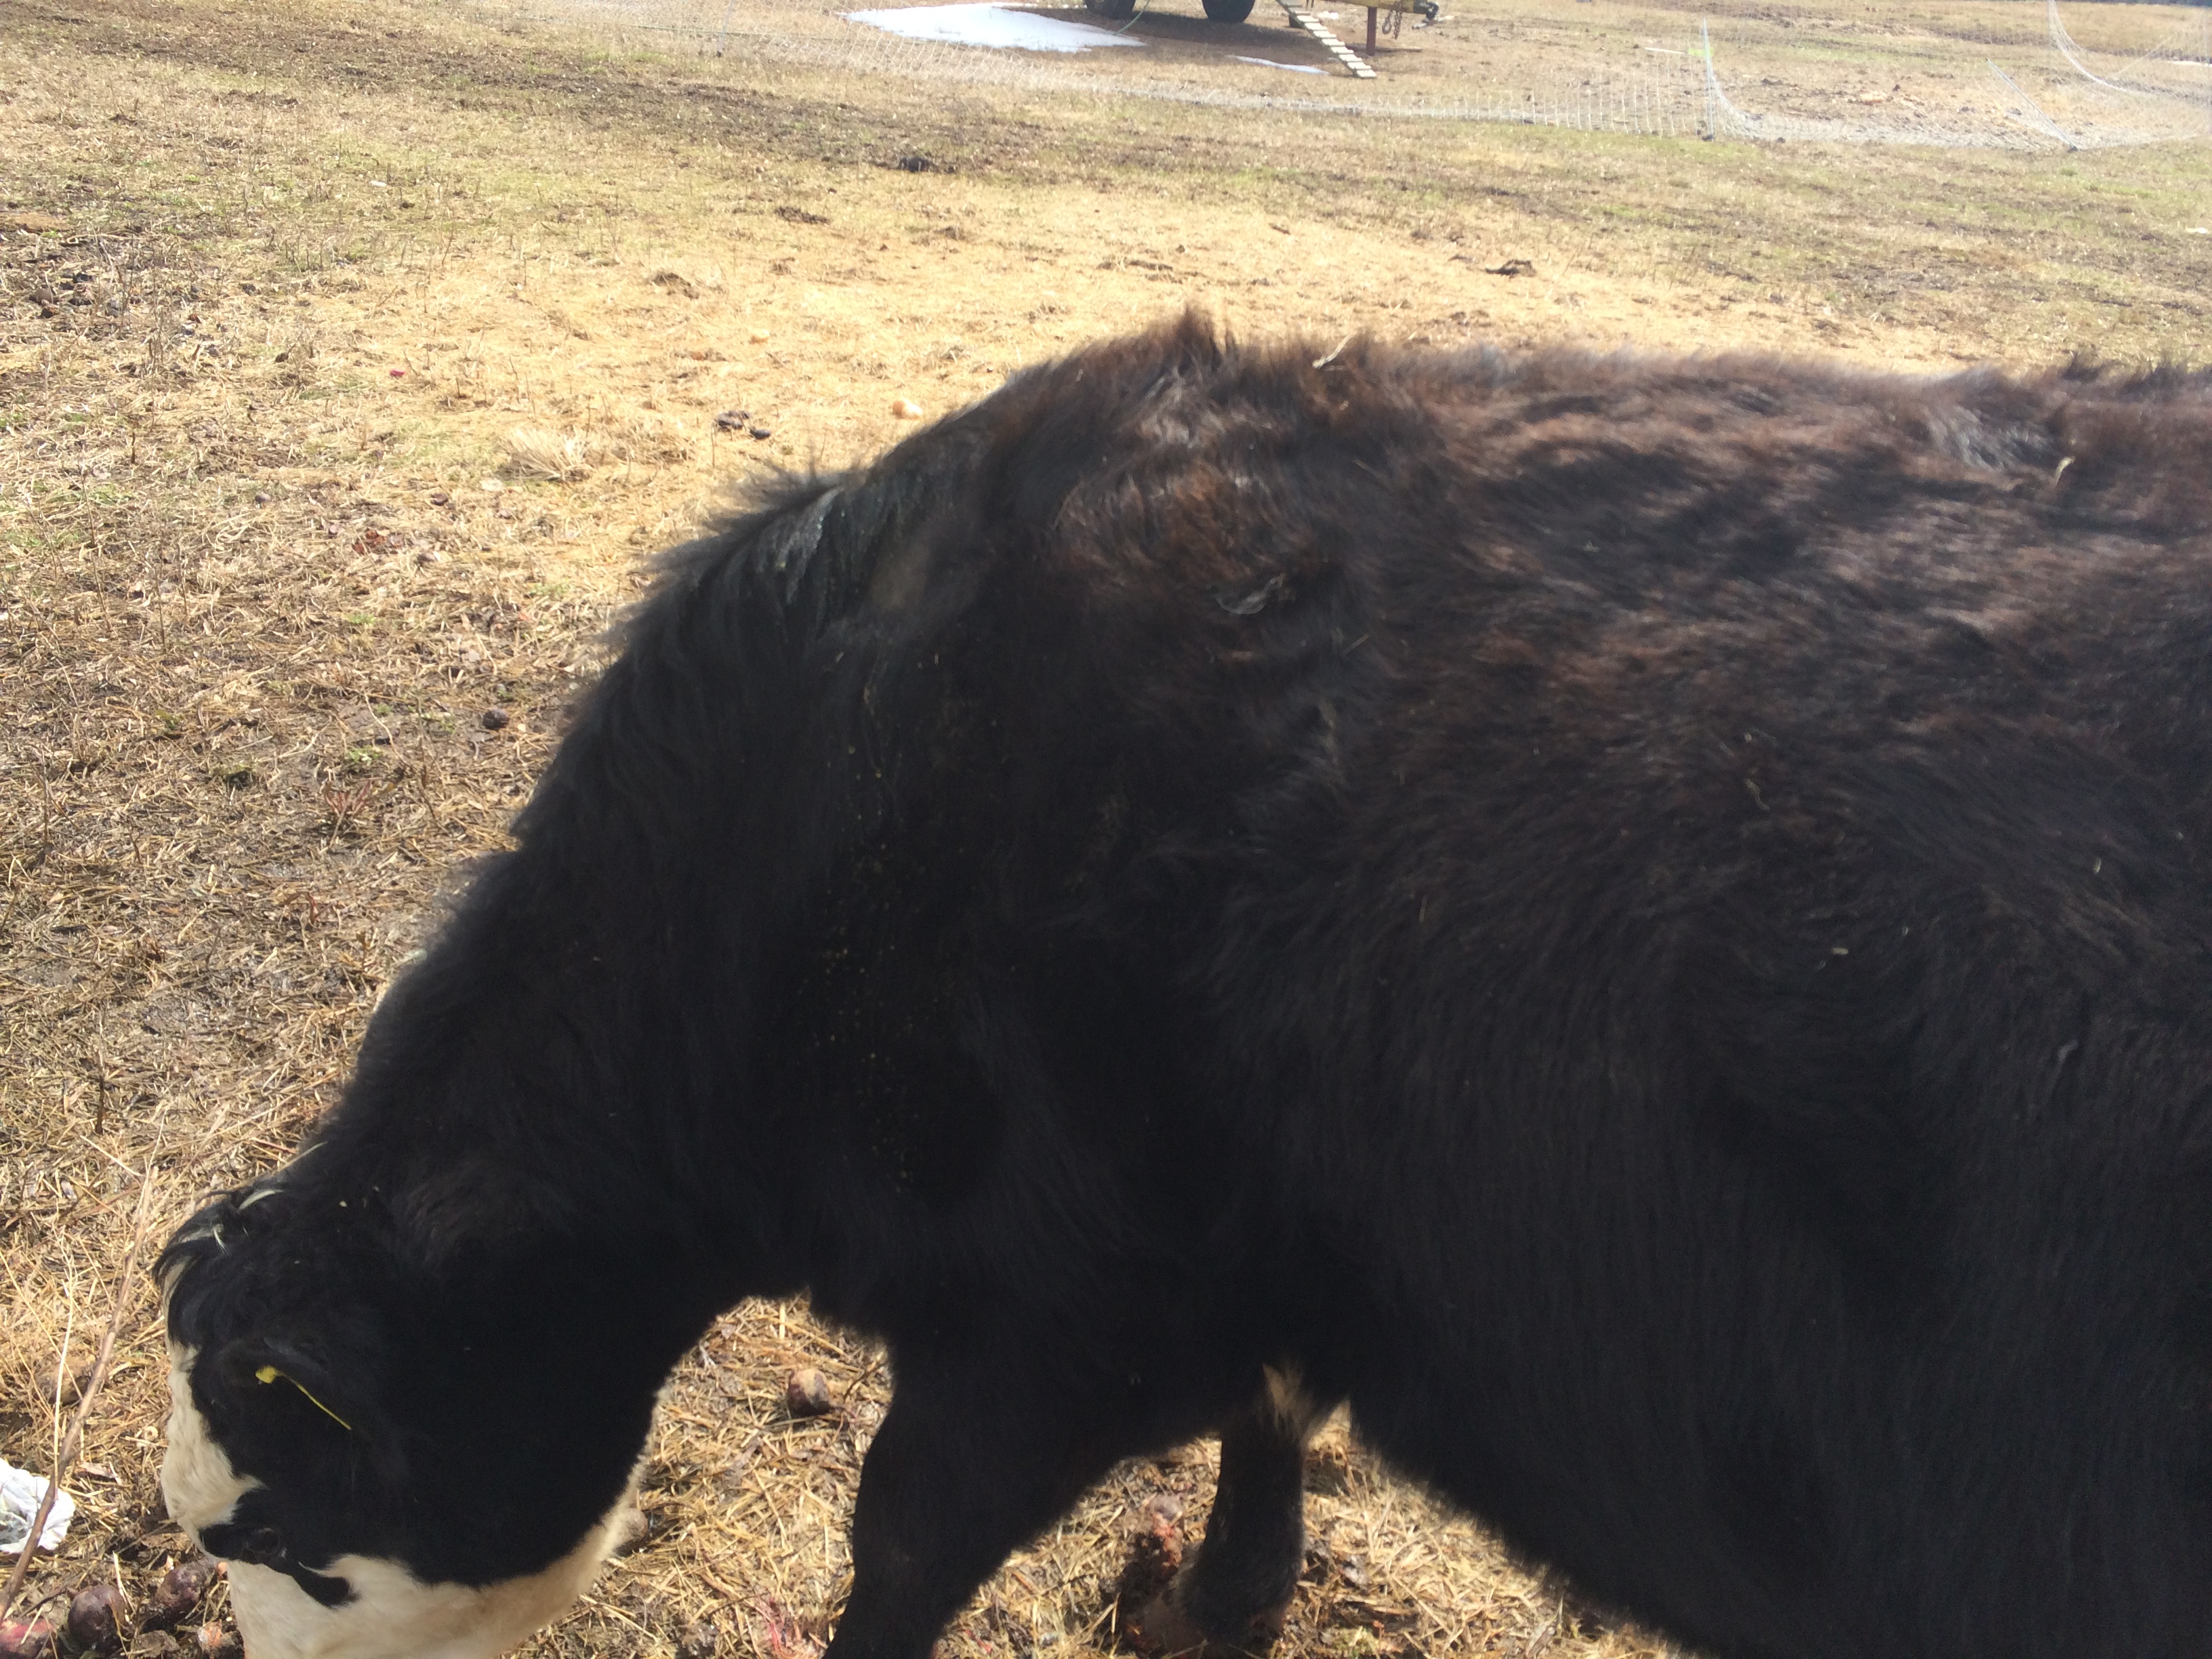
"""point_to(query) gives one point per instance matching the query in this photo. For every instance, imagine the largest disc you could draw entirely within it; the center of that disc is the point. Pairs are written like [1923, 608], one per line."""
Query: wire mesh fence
[2150, 81]
[2009, 74]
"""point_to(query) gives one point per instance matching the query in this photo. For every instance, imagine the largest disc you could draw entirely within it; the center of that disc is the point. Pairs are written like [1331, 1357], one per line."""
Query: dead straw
[65, 1460]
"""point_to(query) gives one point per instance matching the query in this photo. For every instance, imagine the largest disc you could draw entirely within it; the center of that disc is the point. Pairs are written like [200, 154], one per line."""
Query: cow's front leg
[1231, 1599]
[965, 1468]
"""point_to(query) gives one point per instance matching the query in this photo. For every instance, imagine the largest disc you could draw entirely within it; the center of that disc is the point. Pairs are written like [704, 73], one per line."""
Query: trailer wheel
[1228, 11]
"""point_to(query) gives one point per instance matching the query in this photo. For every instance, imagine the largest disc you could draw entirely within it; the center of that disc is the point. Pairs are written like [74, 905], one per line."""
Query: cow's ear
[272, 1379]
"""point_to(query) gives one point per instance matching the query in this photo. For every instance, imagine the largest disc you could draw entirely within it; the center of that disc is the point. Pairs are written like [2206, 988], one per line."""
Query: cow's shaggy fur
[1645, 921]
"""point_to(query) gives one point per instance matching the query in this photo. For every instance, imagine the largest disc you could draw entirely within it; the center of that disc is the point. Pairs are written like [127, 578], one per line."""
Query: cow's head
[398, 1459]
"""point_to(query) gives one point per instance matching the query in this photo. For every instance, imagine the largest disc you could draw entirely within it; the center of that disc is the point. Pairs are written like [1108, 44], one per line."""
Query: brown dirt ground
[353, 358]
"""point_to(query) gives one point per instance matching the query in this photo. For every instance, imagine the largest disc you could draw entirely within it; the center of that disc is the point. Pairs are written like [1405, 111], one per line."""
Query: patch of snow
[989, 25]
[1269, 63]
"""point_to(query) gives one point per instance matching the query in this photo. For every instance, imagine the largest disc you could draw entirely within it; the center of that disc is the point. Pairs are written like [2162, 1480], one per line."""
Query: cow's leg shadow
[1232, 1597]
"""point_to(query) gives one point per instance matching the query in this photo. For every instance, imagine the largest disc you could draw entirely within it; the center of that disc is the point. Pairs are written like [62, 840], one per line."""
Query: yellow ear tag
[270, 1374]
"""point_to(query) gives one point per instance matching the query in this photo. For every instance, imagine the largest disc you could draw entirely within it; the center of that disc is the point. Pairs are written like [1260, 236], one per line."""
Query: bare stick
[66, 1459]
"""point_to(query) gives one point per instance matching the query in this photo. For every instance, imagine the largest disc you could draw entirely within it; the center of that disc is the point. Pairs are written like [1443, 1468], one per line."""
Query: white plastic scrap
[20, 1494]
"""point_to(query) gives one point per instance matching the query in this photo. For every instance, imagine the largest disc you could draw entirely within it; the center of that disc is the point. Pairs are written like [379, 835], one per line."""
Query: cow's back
[1685, 880]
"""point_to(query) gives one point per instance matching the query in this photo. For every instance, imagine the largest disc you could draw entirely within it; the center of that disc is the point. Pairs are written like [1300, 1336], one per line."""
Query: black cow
[1646, 922]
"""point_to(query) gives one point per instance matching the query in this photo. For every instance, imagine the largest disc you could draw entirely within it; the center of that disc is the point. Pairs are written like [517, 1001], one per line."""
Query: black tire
[1228, 11]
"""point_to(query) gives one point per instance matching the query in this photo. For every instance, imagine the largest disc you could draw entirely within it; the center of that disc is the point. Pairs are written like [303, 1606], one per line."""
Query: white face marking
[197, 1482]
[393, 1614]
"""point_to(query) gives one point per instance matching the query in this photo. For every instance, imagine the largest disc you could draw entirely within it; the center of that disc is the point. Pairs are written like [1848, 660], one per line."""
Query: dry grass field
[355, 355]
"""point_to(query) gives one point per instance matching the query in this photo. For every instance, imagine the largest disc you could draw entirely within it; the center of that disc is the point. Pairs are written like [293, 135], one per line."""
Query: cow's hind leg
[1232, 1597]
[967, 1466]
